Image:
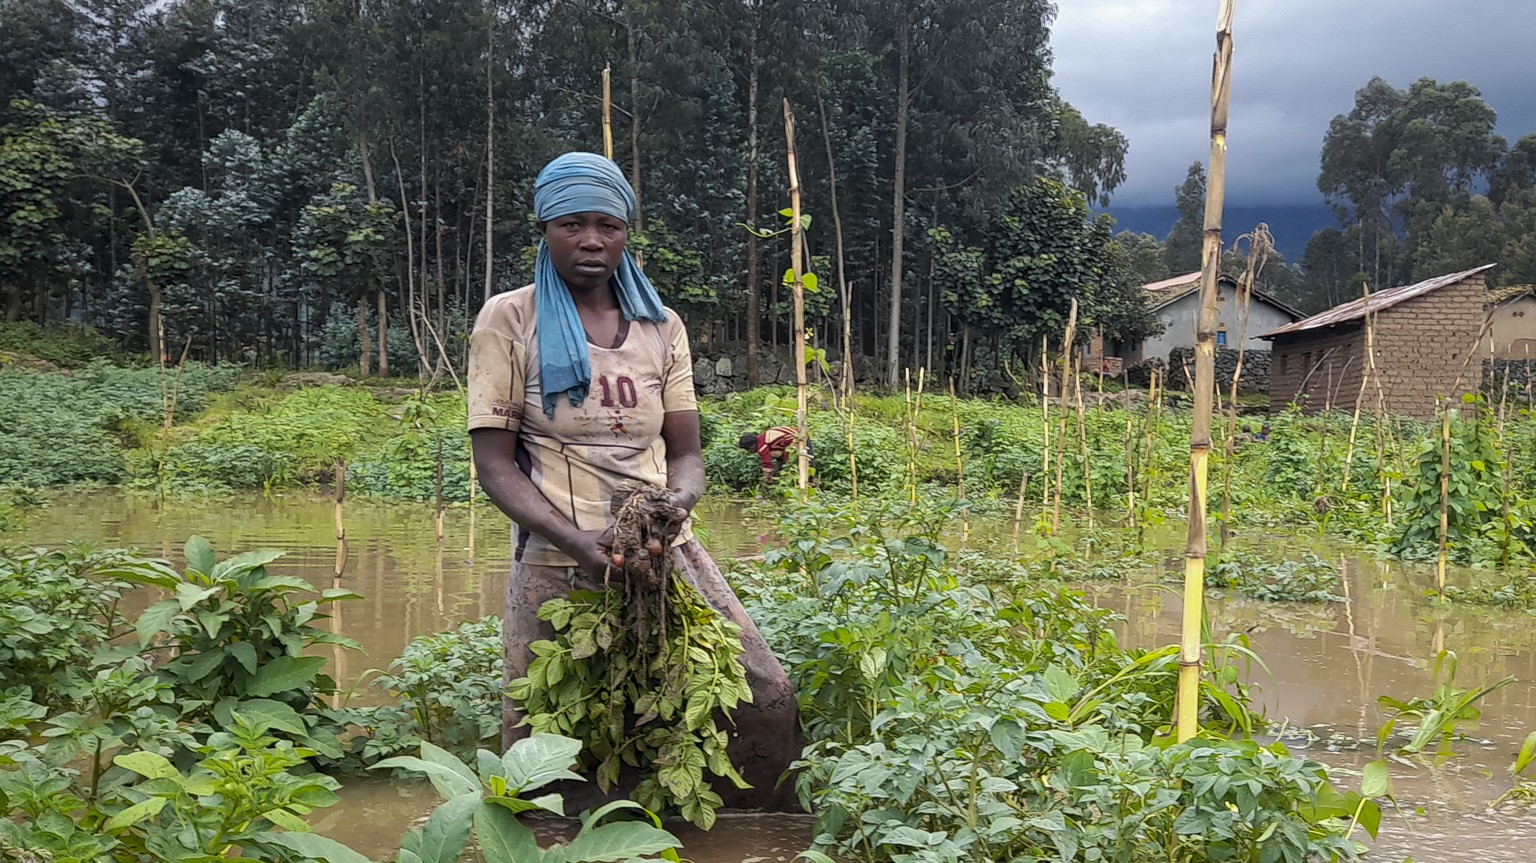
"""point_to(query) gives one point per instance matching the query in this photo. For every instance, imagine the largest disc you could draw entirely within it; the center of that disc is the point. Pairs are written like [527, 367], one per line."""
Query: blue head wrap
[581, 183]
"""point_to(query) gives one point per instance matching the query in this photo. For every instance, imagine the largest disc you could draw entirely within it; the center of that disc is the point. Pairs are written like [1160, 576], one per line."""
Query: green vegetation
[1002, 720]
[488, 798]
[72, 429]
[201, 725]
[641, 691]
[103, 424]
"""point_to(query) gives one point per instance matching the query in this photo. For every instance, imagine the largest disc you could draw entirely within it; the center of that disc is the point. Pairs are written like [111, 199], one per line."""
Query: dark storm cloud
[1144, 66]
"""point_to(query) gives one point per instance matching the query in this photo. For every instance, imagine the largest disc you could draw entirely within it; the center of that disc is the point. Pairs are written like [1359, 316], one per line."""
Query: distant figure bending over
[773, 448]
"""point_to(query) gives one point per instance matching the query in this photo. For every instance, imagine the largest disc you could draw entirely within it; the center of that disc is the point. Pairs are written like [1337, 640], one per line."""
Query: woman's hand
[593, 552]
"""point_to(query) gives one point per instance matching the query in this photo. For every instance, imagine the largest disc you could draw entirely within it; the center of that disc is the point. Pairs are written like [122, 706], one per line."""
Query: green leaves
[199, 554]
[673, 688]
[285, 673]
[312, 847]
[488, 804]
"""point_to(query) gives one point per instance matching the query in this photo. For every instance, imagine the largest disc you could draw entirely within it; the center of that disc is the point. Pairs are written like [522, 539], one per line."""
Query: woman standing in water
[577, 382]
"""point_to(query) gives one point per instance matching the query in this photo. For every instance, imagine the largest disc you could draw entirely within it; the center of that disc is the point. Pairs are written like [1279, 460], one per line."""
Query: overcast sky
[1144, 67]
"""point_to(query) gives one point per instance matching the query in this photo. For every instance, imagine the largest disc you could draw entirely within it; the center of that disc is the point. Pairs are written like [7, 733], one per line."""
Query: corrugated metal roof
[1175, 282]
[1355, 309]
[1160, 294]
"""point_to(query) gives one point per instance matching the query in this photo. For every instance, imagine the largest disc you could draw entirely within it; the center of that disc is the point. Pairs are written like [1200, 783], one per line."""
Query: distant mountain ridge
[1292, 224]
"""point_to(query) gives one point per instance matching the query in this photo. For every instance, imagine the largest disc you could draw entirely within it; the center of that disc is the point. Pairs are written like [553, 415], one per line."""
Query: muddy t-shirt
[577, 457]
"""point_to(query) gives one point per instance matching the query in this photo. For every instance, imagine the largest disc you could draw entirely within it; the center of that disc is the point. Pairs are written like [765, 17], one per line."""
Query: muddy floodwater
[1327, 664]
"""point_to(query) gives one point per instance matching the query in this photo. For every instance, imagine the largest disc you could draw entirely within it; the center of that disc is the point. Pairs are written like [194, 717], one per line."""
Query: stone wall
[1520, 375]
[1255, 377]
[721, 369]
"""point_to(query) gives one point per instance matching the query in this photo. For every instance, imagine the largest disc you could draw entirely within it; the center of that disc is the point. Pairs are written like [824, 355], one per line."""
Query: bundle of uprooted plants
[639, 670]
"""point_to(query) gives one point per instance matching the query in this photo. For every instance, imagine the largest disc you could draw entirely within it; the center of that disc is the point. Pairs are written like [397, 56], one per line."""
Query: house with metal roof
[1176, 302]
[1511, 323]
[1427, 340]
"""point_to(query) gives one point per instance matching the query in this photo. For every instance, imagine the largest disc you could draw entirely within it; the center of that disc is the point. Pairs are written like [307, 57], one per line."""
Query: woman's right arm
[516, 495]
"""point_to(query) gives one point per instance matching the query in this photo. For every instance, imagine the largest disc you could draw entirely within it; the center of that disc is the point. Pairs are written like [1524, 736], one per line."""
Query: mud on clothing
[577, 457]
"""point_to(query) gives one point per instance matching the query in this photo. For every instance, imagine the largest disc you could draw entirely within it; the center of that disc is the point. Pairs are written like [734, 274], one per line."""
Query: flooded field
[1327, 664]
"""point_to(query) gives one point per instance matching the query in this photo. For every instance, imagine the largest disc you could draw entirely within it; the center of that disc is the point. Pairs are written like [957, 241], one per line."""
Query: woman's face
[586, 248]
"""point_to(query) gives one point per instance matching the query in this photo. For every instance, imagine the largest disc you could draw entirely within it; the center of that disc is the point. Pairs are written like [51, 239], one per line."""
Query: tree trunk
[383, 334]
[156, 329]
[754, 300]
[410, 271]
[490, 148]
[442, 318]
[899, 202]
[844, 291]
[364, 342]
[364, 347]
[634, 115]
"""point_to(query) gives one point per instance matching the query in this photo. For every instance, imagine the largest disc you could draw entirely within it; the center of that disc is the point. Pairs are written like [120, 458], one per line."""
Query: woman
[577, 382]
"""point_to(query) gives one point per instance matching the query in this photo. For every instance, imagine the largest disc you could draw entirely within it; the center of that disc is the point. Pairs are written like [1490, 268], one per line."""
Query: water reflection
[1329, 663]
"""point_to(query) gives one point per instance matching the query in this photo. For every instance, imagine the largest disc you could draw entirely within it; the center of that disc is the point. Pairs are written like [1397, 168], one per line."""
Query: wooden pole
[965, 517]
[1045, 423]
[1445, 497]
[796, 247]
[1259, 243]
[341, 527]
[1066, 387]
[608, 111]
[1365, 379]
[1205, 373]
[844, 289]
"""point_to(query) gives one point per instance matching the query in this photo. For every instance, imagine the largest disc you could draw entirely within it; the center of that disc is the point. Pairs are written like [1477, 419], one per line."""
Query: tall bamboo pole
[1066, 384]
[1045, 423]
[1365, 379]
[1445, 497]
[1259, 243]
[965, 507]
[608, 111]
[796, 247]
[1205, 373]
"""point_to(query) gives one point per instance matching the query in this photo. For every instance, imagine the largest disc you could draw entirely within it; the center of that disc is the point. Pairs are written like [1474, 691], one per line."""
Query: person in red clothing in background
[773, 448]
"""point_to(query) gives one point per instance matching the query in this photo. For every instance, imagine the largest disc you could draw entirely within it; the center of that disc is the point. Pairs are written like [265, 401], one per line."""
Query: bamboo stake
[1130, 459]
[1445, 497]
[1259, 244]
[1018, 510]
[1045, 423]
[853, 462]
[1061, 437]
[1205, 357]
[796, 252]
[608, 111]
[911, 437]
[1082, 446]
[965, 517]
[474, 485]
[1365, 379]
[439, 490]
[1506, 453]
[341, 526]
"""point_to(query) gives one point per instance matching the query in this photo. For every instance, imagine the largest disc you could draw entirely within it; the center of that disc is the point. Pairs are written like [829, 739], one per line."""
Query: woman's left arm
[685, 461]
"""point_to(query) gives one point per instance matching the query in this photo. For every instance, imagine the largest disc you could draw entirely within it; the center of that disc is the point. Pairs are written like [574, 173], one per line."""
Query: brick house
[1426, 337]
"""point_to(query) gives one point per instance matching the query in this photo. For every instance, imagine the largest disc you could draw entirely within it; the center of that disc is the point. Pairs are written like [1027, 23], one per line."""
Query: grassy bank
[1122, 460]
